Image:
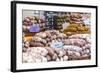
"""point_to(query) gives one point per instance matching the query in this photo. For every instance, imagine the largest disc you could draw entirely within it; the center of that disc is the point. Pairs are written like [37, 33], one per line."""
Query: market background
[5, 36]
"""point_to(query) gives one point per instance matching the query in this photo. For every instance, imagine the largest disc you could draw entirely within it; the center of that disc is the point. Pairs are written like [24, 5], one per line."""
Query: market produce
[77, 29]
[74, 47]
[29, 21]
[56, 36]
[77, 42]
[37, 55]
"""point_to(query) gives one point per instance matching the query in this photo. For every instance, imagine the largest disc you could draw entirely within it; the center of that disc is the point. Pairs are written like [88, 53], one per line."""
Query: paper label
[34, 28]
[57, 45]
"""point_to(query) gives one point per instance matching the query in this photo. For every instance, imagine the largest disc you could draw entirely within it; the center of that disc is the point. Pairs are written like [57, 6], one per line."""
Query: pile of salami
[53, 45]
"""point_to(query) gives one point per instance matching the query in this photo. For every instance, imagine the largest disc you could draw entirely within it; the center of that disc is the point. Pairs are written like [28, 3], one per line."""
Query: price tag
[34, 28]
[57, 45]
[87, 21]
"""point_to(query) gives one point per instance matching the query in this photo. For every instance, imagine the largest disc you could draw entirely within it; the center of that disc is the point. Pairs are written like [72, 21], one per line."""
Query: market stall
[56, 36]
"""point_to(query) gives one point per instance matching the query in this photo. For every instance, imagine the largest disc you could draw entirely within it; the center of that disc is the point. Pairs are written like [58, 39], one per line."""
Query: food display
[60, 36]
[77, 28]
[39, 49]
[78, 23]
[31, 21]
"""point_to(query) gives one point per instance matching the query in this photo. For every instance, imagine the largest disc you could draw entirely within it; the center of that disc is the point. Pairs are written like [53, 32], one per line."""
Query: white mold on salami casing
[73, 41]
[72, 48]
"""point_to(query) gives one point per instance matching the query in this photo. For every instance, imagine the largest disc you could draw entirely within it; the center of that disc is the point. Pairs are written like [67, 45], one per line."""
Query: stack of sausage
[75, 47]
